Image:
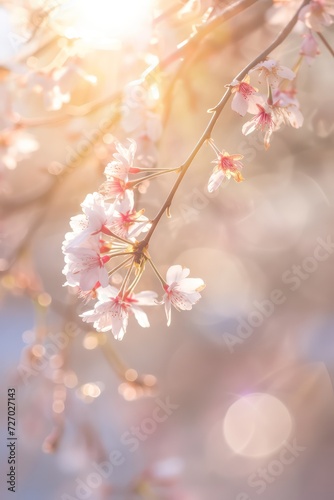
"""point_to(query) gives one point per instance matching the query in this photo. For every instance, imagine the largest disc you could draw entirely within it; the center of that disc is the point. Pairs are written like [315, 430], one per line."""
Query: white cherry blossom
[309, 48]
[85, 266]
[181, 292]
[122, 164]
[272, 73]
[127, 222]
[317, 14]
[244, 97]
[97, 216]
[111, 312]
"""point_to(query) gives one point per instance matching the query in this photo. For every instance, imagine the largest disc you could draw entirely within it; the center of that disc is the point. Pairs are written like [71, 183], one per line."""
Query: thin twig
[201, 32]
[326, 44]
[216, 113]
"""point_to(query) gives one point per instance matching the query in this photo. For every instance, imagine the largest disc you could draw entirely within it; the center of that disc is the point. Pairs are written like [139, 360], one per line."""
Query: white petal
[248, 127]
[176, 273]
[285, 72]
[140, 316]
[190, 285]
[89, 278]
[215, 180]
[106, 293]
[103, 277]
[239, 104]
[119, 324]
[181, 301]
[146, 298]
[168, 310]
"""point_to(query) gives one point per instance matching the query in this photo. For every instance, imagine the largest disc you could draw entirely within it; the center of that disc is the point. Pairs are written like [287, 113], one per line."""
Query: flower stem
[135, 281]
[132, 184]
[110, 273]
[126, 279]
[163, 282]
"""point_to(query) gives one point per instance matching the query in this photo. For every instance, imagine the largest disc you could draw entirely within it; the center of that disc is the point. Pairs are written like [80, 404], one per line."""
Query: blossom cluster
[314, 16]
[108, 244]
[270, 112]
[105, 240]
[279, 105]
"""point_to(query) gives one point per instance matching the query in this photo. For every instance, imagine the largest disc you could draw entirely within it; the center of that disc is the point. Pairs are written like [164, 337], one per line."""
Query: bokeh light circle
[257, 425]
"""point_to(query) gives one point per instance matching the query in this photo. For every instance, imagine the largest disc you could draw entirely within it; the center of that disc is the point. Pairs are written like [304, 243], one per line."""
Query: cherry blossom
[127, 222]
[181, 292]
[57, 84]
[309, 48]
[97, 216]
[113, 188]
[286, 107]
[140, 117]
[85, 266]
[226, 166]
[270, 117]
[317, 14]
[111, 312]
[244, 94]
[264, 120]
[118, 170]
[122, 164]
[15, 145]
[271, 72]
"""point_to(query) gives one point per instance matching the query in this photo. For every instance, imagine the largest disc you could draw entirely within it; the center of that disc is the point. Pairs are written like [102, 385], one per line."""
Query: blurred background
[235, 399]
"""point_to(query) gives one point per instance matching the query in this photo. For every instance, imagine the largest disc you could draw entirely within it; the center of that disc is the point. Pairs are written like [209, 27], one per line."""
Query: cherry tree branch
[201, 31]
[216, 113]
[326, 44]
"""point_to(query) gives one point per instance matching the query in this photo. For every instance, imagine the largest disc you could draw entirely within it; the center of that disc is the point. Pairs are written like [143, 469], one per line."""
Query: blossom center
[226, 163]
[245, 89]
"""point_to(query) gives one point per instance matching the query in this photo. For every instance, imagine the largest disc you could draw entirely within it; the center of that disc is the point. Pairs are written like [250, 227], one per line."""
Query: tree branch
[216, 113]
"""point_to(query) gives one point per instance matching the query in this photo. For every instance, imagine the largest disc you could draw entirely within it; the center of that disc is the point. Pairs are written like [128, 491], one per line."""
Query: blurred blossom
[56, 85]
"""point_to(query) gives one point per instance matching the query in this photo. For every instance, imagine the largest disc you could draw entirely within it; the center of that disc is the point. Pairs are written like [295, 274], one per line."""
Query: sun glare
[99, 21]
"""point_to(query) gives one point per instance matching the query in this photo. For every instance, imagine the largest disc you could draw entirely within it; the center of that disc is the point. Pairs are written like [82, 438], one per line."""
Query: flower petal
[176, 273]
[239, 104]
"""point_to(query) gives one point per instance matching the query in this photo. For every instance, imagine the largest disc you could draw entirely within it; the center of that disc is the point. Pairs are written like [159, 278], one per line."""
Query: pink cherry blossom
[226, 166]
[309, 48]
[122, 164]
[181, 292]
[114, 188]
[111, 312]
[118, 170]
[139, 115]
[264, 120]
[97, 216]
[127, 222]
[286, 108]
[270, 117]
[244, 96]
[85, 266]
[57, 84]
[317, 14]
[271, 72]
[15, 145]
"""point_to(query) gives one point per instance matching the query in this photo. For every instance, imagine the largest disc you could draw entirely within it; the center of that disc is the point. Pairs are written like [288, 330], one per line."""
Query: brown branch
[216, 113]
[201, 32]
[326, 44]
